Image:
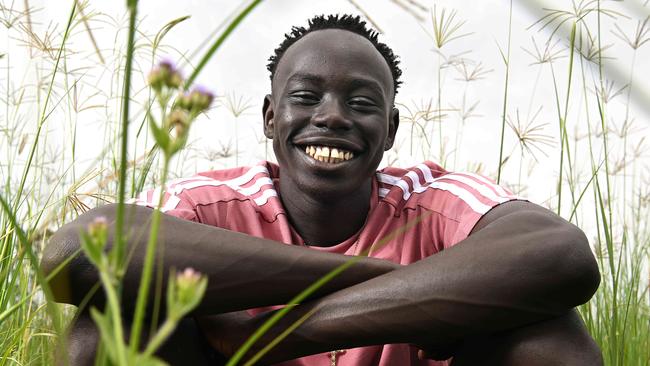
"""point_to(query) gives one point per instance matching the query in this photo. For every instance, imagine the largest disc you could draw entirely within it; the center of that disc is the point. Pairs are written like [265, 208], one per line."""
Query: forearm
[83, 341]
[496, 279]
[243, 271]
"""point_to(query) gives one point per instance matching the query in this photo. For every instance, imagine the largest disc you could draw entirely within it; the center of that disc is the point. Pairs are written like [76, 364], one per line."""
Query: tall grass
[597, 149]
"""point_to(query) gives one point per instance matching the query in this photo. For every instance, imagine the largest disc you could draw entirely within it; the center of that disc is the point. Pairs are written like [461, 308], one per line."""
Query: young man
[458, 266]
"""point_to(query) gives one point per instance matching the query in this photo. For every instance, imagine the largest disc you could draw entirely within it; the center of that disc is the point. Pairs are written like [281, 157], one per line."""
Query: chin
[331, 188]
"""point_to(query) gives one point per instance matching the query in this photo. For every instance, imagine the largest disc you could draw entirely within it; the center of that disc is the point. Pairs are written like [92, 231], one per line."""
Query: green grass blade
[215, 46]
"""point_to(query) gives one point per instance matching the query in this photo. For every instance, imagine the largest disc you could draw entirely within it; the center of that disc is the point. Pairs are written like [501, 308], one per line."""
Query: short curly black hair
[347, 22]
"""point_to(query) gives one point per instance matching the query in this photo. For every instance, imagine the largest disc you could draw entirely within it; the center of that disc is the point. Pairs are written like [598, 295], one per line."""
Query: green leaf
[142, 360]
[160, 135]
[92, 251]
[219, 41]
[503, 56]
[177, 145]
[166, 28]
[194, 300]
[171, 293]
[106, 332]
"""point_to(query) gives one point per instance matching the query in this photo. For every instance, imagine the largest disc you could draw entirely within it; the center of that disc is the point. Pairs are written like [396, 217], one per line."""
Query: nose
[332, 114]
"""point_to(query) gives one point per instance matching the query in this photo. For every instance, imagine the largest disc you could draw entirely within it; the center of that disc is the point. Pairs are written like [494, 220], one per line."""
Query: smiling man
[458, 265]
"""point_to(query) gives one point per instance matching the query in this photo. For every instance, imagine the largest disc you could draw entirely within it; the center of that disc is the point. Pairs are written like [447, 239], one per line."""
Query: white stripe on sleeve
[266, 194]
[172, 203]
[461, 193]
[481, 188]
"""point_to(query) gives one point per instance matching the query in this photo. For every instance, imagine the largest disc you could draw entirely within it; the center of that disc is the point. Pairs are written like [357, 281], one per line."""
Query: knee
[563, 341]
[560, 350]
[82, 342]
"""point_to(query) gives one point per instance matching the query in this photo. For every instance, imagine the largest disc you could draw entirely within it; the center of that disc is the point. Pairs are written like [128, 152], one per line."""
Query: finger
[422, 355]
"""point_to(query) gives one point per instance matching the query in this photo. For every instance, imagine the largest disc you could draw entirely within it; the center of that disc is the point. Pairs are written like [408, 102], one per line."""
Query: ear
[393, 124]
[267, 115]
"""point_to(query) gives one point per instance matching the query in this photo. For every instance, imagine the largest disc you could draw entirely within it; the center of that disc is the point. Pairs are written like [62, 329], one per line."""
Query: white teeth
[328, 155]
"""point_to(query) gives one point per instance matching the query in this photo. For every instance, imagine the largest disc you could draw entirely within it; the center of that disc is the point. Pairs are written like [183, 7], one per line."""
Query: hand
[438, 352]
[226, 332]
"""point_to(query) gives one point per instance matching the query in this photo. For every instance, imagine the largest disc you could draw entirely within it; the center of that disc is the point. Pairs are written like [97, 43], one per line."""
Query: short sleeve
[175, 204]
[466, 198]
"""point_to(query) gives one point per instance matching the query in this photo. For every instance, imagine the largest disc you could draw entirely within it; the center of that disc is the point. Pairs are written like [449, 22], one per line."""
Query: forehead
[334, 54]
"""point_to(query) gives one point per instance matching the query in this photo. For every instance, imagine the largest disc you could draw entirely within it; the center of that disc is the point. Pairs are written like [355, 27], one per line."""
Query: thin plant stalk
[506, 59]
[626, 121]
[5, 250]
[40, 277]
[160, 336]
[44, 113]
[601, 109]
[116, 317]
[10, 225]
[215, 46]
[118, 251]
[147, 269]
[195, 73]
[441, 157]
[563, 132]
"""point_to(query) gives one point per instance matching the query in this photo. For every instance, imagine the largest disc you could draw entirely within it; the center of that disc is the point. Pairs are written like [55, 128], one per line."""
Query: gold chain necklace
[334, 356]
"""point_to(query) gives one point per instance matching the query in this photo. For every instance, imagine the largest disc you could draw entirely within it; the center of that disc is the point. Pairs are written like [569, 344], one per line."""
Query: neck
[325, 220]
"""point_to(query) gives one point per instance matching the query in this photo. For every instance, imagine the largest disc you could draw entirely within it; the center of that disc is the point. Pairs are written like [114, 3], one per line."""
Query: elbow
[58, 260]
[560, 260]
[577, 266]
[70, 273]
[589, 268]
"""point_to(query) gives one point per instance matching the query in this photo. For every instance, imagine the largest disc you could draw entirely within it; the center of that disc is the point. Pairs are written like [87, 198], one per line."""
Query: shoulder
[214, 186]
[241, 183]
[429, 186]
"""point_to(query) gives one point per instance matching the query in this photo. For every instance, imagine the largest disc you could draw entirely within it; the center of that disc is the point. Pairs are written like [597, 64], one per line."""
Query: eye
[304, 97]
[362, 103]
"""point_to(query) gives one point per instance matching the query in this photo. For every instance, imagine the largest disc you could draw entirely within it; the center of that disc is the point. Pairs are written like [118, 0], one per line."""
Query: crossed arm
[520, 265]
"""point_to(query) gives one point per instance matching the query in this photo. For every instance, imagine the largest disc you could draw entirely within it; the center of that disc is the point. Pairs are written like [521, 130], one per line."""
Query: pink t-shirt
[447, 206]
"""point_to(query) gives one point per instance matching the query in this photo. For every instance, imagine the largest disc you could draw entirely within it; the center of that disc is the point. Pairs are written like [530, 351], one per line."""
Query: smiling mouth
[326, 154]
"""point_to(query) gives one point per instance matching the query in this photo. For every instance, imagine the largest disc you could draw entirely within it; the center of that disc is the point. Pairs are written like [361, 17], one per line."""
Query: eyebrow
[356, 82]
[306, 77]
[366, 83]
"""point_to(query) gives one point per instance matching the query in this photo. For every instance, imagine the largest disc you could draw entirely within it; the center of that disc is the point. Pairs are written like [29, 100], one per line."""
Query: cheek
[376, 132]
[278, 147]
[377, 139]
[282, 147]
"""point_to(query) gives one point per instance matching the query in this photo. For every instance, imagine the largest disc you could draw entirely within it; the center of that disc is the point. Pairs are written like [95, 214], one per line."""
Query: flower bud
[183, 101]
[201, 98]
[195, 101]
[179, 122]
[165, 74]
[186, 291]
[154, 79]
[187, 279]
[93, 242]
[98, 228]
[175, 80]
